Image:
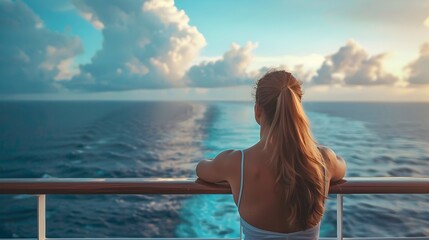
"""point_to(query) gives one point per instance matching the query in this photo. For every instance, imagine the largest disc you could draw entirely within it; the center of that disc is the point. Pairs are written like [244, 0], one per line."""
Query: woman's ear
[258, 113]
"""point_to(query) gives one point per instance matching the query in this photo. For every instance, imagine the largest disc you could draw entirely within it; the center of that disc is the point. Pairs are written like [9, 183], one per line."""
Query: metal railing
[43, 186]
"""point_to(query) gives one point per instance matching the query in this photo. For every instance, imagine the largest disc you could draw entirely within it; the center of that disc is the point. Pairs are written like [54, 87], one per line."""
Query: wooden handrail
[353, 185]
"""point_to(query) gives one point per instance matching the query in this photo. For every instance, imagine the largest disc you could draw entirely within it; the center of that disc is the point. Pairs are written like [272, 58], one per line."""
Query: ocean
[114, 139]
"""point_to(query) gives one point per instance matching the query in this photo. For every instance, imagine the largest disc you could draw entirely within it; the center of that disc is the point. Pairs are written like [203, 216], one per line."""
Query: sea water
[114, 139]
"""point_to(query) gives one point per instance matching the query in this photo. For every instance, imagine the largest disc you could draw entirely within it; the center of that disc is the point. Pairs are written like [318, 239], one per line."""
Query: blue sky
[213, 50]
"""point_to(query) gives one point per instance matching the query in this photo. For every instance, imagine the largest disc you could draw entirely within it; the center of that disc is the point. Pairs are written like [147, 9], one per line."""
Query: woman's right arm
[216, 170]
[335, 164]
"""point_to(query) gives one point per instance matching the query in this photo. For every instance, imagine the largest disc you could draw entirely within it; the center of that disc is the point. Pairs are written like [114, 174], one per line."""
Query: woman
[279, 184]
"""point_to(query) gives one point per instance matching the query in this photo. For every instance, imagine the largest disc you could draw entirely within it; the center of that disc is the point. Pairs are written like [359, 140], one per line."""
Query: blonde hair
[296, 160]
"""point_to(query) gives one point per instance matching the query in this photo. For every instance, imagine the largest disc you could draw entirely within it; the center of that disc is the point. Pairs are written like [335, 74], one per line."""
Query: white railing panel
[339, 217]
[41, 217]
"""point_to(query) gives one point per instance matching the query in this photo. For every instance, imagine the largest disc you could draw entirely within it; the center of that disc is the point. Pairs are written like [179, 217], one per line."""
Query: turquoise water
[166, 139]
[367, 154]
[216, 215]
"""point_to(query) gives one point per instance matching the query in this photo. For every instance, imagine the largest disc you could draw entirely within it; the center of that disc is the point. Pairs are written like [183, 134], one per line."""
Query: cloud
[32, 58]
[299, 71]
[151, 45]
[426, 22]
[412, 12]
[147, 44]
[371, 72]
[418, 70]
[88, 16]
[230, 70]
[352, 65]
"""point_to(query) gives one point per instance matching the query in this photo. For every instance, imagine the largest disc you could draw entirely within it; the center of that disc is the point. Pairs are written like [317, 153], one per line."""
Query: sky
[213, 50]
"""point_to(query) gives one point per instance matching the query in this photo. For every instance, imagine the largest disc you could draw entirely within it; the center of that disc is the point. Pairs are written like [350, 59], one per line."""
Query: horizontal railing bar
[352, 185]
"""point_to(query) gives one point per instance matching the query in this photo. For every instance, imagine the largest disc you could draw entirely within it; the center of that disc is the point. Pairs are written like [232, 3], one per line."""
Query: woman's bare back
[260, 206]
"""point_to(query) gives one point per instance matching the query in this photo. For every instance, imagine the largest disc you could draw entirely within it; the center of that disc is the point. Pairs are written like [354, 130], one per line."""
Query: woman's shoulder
[229, 159]
[220, 168]
[229, 154]
[335, 164]
[326, 152]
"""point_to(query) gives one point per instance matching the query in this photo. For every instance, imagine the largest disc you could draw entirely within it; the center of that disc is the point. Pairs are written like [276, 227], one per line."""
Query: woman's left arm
[216, 170]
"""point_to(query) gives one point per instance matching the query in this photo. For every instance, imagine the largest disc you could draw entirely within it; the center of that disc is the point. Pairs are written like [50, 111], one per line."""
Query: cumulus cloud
[231, 69]
[147, 44]
[418, 70]
[352, 65]
[151, 44]
[32, 57]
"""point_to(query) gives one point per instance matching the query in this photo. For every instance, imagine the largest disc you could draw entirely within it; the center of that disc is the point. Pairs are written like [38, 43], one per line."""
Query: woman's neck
[263, 133]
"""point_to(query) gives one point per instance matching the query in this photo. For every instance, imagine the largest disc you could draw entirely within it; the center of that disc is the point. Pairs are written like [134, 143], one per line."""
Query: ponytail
[296, 160]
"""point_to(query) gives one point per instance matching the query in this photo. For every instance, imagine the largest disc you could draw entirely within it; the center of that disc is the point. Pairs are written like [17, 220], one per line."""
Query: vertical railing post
[41, 217]
[339, 216]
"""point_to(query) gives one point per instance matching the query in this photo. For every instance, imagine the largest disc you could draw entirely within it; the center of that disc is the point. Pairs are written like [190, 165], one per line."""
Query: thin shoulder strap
[324, 178]
[324, 174]
[241, 179]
